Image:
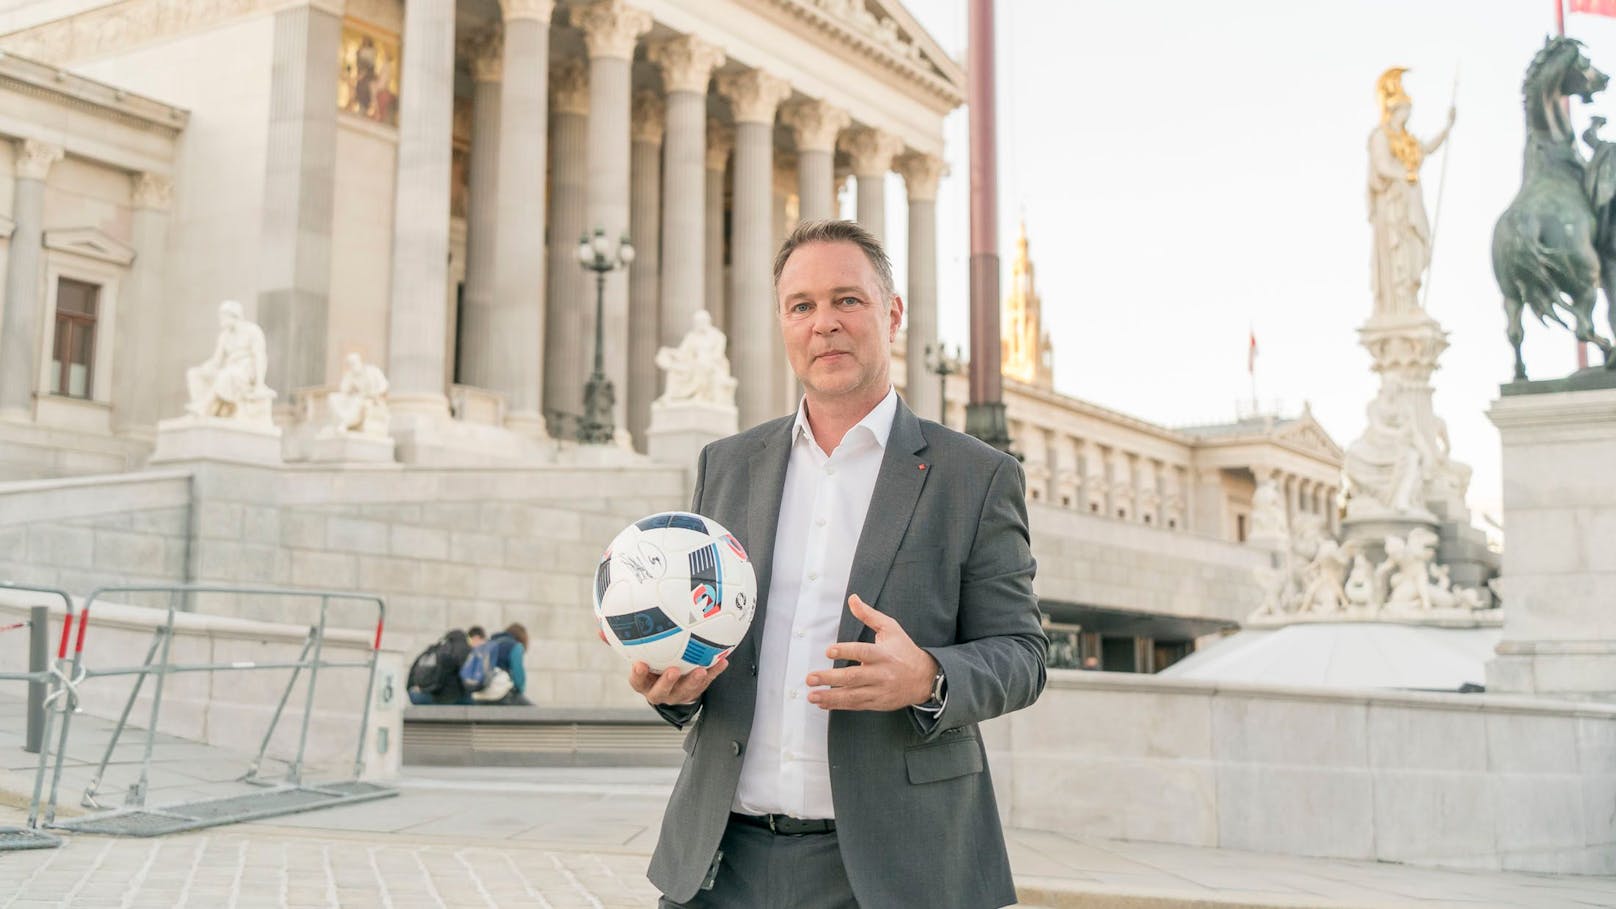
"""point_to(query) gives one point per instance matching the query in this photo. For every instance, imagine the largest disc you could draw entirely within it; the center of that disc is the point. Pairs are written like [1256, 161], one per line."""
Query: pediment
[891, 29]
[1309, 435]
[91, 243]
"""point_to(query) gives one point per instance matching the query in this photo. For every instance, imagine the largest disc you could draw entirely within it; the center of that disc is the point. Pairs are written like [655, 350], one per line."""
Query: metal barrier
[58, 699]
[285, 796]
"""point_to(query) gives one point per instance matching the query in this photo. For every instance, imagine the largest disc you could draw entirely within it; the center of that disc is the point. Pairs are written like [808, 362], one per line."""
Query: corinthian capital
[611, 27]
[687, 63]
[754, 95]
[569, 87]
[871, 150]
[720, 140]
[34, 158]
[527, 9]
[153, 191]
[815, 124]
[921, 173]
[649, 117]
[487, 51]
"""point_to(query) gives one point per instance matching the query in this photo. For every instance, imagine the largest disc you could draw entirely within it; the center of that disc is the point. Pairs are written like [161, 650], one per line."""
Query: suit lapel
[766, 485]
[897, 489]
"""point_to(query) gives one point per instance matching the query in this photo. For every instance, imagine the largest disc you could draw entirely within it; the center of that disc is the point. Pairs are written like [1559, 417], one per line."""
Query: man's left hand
[891, 674]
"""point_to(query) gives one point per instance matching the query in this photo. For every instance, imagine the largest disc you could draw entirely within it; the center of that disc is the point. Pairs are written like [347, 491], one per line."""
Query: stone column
[294, 260]
[477, 344]
[921, 174]
[516, 323]
[720, 139]
[571, 292]
[420, 270]
[871, 151]
[687, 66]
[754, 96]
[815, 124]
[140, 311]
[786, 387]
[20, 327]
[644, 288]
[611, 29]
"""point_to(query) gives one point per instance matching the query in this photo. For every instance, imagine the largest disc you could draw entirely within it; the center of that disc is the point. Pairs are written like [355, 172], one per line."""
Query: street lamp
[598, 256]
[942, 364]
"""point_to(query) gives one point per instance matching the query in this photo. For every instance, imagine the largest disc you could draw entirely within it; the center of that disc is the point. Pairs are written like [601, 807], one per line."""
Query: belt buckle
[771, 823]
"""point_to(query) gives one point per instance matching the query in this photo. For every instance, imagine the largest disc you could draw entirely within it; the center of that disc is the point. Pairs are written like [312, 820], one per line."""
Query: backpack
[479, 666]
[438, 663]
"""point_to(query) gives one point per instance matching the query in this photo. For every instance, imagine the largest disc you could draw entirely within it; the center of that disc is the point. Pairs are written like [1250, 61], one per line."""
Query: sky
[1190, 171]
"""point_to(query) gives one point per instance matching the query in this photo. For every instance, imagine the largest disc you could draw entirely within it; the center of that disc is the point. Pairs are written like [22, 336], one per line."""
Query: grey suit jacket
[945, 551]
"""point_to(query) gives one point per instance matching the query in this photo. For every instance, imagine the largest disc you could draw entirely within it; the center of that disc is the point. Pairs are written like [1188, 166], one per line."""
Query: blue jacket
[508, 655]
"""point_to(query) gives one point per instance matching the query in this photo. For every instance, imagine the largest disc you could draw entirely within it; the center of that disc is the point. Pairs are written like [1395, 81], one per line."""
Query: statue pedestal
[335, 447]
[1371, 532]
[193, 438]
[1559, 577]
[678, 432]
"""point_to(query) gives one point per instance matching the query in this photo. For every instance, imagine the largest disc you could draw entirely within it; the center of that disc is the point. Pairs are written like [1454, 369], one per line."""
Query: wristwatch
[939, 694]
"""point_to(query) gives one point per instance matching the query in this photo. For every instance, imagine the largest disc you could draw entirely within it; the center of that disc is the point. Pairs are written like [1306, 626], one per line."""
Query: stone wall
[1465, 781]
[86, 533]
[1096, 561]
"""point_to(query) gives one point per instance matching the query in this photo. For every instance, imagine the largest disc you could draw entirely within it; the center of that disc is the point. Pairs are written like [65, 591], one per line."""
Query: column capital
[720, 140]
[754, 95]
[611, 27]
[487, 52]
[649, 118]
[687, 63]
[152, 191]
[34, 158]
[921, 173]
[569, 87]
[527, 9]
[815, 124]
[870, 149]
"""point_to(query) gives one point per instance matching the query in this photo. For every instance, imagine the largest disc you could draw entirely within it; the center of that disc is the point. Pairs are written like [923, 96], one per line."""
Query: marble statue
[1396, 203]
[1548, 270]
[1386, 468]
[1360, 585]
[230, 383]
[359, 405]
[1268, 512]
[697, 370]
[1413, 579]
[1325, 577]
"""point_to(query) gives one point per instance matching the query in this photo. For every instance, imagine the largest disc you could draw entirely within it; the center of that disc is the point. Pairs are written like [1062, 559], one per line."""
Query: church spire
[1026, 353]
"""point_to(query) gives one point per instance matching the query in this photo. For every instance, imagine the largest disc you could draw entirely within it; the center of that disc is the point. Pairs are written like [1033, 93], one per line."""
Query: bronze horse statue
[1554, 246]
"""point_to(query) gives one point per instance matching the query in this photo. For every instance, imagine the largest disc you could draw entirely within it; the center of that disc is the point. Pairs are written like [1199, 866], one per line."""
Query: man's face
[837, 328]
[475, 639]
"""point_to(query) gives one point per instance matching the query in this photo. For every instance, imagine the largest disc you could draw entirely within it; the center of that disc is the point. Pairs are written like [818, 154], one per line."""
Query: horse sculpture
[1555, 241]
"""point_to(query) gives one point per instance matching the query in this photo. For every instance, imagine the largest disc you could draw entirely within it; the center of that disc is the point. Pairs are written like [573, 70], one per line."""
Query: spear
[1441, 184]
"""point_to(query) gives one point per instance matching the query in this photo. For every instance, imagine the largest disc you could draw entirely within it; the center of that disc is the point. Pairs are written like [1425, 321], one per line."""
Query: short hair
[476, 631]
[516, 630]
[835, 231]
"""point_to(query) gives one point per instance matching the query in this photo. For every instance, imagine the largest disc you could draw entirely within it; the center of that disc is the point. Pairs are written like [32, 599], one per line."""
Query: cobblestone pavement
[248, 867]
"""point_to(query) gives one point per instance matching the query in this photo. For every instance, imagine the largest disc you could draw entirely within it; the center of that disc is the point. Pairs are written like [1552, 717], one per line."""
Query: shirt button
[735, 748]
[799, 632]
[794, 691]
[830, 469]
[820, 521]
[813, 575]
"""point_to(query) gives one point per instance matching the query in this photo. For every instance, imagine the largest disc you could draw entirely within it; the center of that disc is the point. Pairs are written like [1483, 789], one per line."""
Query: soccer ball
[674, 589]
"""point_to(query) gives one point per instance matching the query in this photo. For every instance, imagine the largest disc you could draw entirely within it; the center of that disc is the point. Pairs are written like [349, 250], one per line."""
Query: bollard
[38, 661]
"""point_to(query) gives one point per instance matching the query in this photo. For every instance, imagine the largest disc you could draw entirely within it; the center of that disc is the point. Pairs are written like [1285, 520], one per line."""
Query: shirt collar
[878, 421]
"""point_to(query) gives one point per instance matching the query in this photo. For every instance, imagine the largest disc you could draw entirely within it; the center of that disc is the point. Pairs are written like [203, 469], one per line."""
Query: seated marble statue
[1267, 512]
[697, 370]
[230, 383]
[1386, 466]
[359, 404]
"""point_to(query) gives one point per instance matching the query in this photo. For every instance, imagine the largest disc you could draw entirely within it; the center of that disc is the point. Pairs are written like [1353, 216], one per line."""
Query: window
[73, 352]
[1240, 528]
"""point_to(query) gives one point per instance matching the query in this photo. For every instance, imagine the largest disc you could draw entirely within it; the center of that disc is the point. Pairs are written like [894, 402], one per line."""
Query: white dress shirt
[785, 769]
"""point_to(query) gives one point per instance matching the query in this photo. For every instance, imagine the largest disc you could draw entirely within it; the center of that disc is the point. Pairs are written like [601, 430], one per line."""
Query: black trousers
[763, 870]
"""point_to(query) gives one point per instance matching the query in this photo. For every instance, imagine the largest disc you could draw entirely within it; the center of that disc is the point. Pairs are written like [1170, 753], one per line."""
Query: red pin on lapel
[921, 466]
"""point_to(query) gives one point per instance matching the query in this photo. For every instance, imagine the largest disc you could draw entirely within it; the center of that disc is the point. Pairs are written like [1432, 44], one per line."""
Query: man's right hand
[670, 686]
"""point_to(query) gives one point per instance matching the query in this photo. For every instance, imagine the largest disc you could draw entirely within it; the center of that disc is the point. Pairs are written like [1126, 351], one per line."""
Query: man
[435, 674]
[839, 763]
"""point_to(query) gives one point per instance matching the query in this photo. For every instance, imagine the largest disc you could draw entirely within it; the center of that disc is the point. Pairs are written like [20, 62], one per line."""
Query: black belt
[785, 825]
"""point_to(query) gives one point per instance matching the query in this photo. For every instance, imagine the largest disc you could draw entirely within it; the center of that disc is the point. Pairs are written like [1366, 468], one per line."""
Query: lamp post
[942, 364]
[597, 255]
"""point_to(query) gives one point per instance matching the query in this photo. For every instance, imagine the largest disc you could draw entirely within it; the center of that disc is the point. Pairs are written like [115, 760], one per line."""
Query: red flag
[1251, 358]
[1594, 7]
